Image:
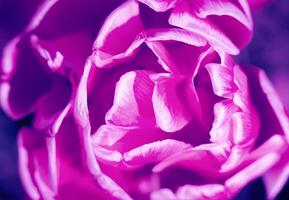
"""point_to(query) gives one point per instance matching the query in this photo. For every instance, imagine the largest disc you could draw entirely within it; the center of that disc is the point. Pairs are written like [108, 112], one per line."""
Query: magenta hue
[142, 100]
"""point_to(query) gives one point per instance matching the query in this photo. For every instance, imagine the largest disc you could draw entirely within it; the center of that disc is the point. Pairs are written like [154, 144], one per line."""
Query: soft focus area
[268, 50]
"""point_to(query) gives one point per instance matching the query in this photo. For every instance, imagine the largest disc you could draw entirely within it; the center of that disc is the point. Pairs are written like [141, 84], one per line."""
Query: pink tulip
[153, 108]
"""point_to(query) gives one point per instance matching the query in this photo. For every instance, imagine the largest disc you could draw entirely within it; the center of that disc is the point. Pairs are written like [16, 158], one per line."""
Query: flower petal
[154, 152]
[253, 171]
[203, 192]
[123, 22]
[223, 110]
[170, 111]
[160, 5]
[222, 79]
[212, 156]
[132, 104]
[64, 52]
[37, 151]
[21, 72]
[178, 50]
[123, 140]
[211, 20]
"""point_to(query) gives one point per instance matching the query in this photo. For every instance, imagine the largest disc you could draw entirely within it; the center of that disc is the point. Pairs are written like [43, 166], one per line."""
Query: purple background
[269, 50]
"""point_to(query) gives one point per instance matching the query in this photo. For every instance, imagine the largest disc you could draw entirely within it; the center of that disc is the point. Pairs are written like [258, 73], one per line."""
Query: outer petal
[274, 120]
[64, 53]
[37, 166]
[84, 127]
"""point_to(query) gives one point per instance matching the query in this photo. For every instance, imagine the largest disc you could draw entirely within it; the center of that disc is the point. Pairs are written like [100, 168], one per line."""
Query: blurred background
[269, 50]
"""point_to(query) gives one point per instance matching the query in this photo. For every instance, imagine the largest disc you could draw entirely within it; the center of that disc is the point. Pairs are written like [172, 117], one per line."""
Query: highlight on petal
[123, 139]
[277, 176]
[264, 96]
[125, 23]
[275, 102]
[202, 192]
[221, 127]
[132, 104]
[222, 78]
[213, 155]
[160, 5]
[213, 20]
[163, 193]
[170, 111]
[235, 183]
[154, 152]
[228, 14]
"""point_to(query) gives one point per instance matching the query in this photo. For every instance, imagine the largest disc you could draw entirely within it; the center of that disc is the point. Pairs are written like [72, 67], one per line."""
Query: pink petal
[84, 128]
[124, 22]
[163, 193]
[160, 5]
[276, 114]
[132, 104]
[222, 79]
[63, 52]
[178, 50]
[22, 71]
[37, 164]
[212, 156]
[122, 139]
[170, 110]
[277, 176]
[53, 103]
[211, 20]
[253, 171]
[203, 192]
[274, 100]
[223, 110]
